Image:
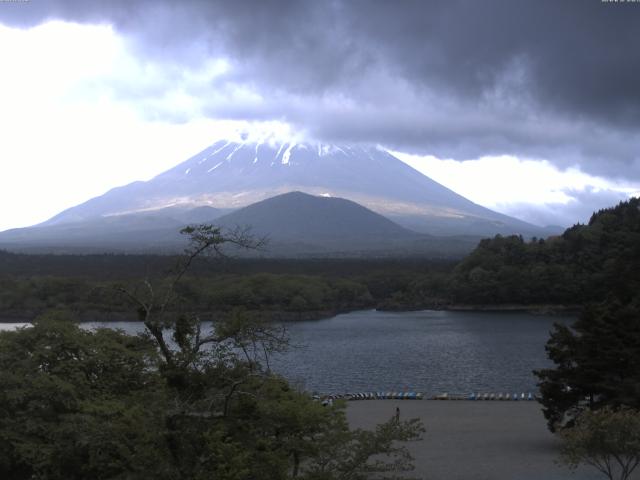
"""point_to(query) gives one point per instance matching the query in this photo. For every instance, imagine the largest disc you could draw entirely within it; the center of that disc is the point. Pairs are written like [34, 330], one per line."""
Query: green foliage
[587, 263]
[175, 403]
[78, 404]
[360, 455]
[264, 292]
[100, 404]
[289, 289]
[606, 439]
[596, 363]
[278, 292]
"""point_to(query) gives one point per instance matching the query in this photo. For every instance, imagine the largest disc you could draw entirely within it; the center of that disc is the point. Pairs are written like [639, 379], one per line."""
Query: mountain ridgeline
[228, 177]
[234, 175]
[295, 224]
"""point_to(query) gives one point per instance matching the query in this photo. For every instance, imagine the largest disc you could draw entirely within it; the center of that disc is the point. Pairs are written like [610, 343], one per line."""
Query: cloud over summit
[456, 79]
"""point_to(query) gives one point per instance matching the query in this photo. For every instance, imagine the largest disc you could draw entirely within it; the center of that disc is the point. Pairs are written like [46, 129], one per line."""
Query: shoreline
[287, 316]
[113, 317]
[535, 309]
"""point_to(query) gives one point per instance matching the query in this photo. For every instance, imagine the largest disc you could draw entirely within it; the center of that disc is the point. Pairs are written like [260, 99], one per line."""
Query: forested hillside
[586, 263]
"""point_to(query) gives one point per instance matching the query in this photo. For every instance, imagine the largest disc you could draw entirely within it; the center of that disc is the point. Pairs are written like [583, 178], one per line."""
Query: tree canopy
[597, 362]
[587, 263]
[178, 402]
[607, 440]
[78, 404]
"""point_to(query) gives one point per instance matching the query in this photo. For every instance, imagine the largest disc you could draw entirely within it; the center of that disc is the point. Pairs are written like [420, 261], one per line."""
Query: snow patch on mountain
[204, 159]
[255, 158]
[234, 151]
[214, 167]
[287, 154]
[231, 174]
[278, 153]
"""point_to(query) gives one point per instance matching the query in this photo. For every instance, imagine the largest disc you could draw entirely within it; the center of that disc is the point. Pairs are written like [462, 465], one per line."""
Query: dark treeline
[119, 266]
[585, 264]
[284, 288]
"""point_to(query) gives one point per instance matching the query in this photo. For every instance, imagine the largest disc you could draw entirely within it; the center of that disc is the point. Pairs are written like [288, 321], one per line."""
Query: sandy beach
[468, 440]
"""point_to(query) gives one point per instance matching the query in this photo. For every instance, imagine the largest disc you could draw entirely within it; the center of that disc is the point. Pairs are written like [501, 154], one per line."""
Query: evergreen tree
[597, 363]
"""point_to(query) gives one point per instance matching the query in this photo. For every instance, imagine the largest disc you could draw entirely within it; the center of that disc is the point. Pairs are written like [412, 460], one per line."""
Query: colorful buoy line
[474, 396]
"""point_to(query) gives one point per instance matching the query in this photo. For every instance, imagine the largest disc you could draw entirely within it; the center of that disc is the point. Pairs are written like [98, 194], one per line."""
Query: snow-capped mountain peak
[232, 174]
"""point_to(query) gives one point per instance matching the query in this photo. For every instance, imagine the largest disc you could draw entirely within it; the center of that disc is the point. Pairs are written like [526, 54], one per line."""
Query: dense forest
[584, 264]
[282, 289]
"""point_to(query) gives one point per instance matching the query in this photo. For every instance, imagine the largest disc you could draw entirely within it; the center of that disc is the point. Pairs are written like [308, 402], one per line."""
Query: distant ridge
[231, 175]
[309, 198]
[296, 224]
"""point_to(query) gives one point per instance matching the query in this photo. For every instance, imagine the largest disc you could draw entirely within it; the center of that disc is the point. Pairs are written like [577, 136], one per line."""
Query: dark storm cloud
[459, 79]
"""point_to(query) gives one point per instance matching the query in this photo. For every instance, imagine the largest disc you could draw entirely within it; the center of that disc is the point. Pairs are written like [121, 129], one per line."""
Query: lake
[426, 351]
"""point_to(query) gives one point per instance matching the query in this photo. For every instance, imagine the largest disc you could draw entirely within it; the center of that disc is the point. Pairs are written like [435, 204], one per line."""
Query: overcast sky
[528, 107]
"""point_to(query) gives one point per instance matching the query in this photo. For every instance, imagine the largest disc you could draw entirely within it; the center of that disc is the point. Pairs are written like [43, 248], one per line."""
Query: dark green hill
[299, 224]
[296, 224]
[300, 217]
[586, 263]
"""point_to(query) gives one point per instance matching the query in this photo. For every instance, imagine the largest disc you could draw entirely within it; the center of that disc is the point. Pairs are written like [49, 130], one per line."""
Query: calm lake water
[427, 351]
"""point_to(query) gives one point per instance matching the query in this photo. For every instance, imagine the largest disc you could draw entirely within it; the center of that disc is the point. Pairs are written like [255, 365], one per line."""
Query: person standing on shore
[397, 414]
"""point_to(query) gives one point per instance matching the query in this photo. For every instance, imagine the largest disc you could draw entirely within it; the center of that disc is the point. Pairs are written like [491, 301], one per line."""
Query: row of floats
[442, 396]
[487, 396]
[378, 396]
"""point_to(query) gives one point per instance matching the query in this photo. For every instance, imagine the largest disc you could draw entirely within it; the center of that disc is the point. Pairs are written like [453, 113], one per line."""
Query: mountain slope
[299, 224]
[154, 230]
[296, 224]
[233, 175]
[297, 216]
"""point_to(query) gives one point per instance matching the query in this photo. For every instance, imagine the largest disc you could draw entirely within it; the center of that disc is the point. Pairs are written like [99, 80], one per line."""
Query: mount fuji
[231, 175]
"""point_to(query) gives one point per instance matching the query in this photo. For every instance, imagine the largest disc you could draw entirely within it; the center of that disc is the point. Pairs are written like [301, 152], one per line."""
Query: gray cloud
[579, 210]
[458, 79]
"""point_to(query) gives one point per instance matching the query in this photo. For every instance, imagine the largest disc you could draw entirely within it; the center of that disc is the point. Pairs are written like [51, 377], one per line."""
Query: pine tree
[597, 363]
